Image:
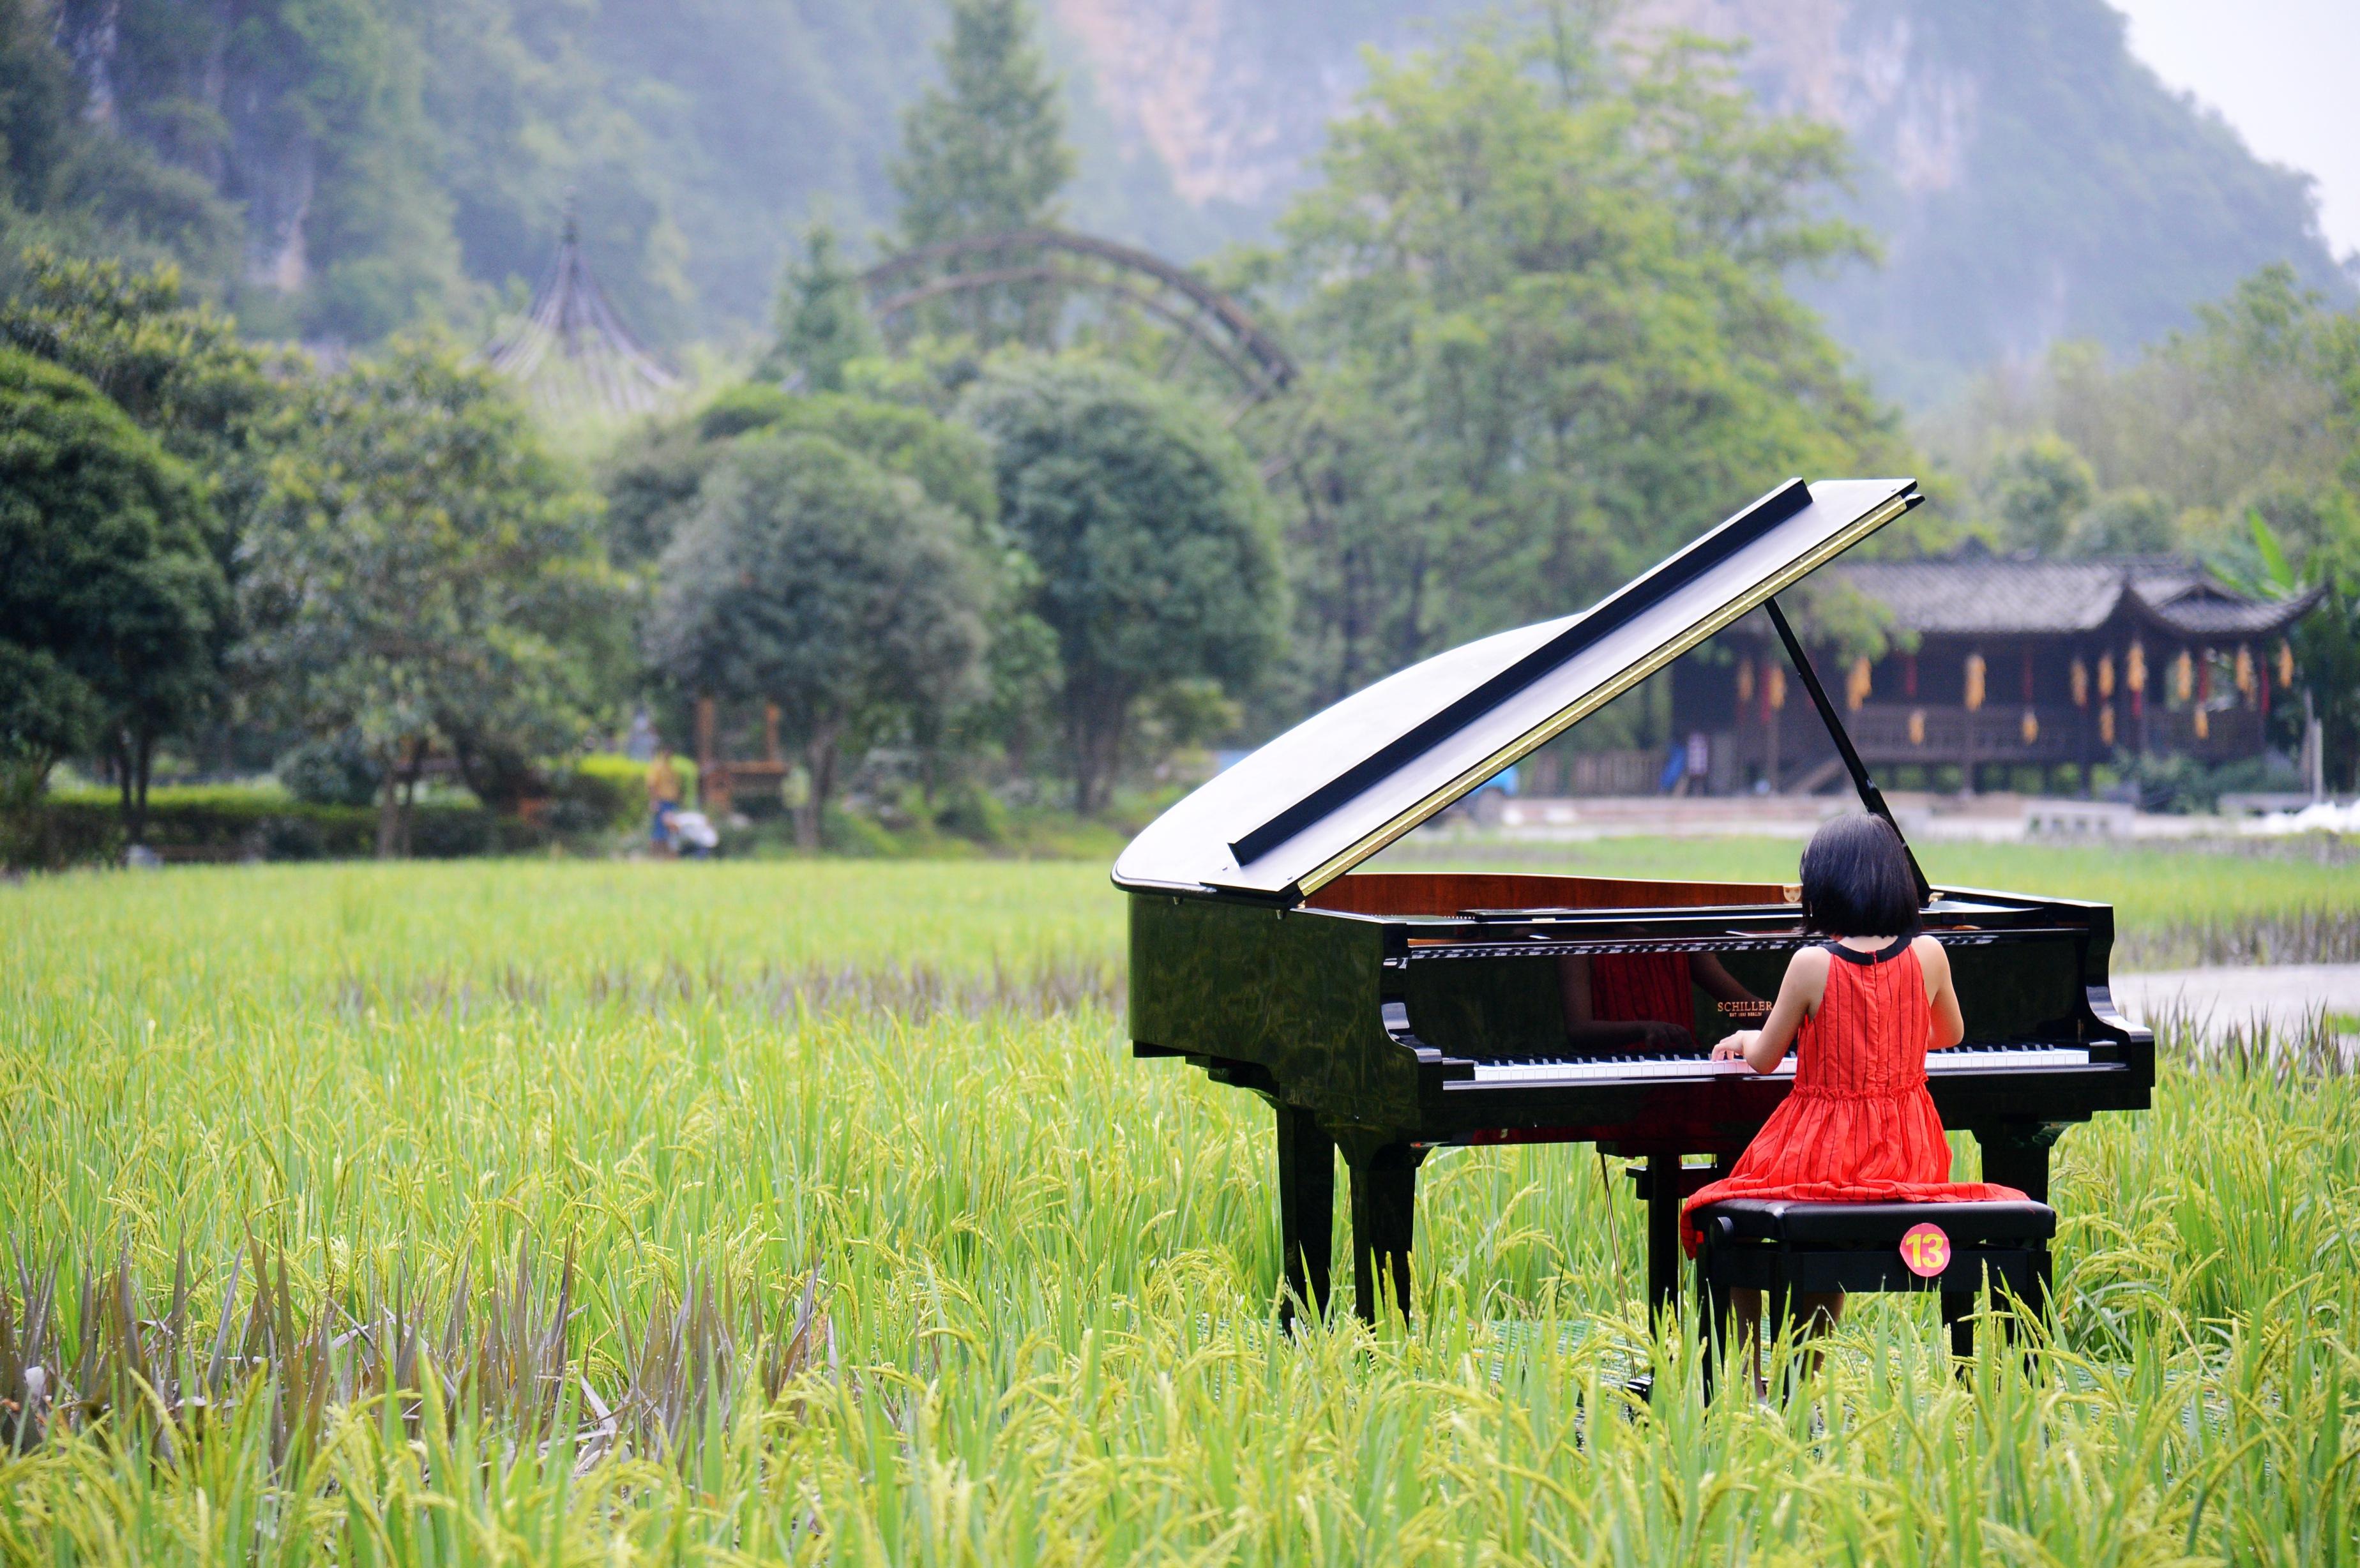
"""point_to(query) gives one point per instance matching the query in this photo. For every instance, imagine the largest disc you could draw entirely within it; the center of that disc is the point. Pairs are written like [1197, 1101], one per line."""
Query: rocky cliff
[394, 158]
[2030, 179]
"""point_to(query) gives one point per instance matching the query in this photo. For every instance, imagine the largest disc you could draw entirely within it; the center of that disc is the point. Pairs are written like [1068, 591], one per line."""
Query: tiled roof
[1970, 594]
[2204, 608]
[1989, 594]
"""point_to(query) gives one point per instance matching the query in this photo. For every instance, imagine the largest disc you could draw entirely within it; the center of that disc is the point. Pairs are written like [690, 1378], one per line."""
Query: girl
[1868, 1005]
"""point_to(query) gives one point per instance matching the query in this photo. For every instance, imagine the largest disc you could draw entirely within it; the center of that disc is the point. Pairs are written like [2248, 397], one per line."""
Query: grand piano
[1383, 1014]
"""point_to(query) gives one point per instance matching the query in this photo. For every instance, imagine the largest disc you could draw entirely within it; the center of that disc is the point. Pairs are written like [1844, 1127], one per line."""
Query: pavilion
[571, 354]
[2017, 664]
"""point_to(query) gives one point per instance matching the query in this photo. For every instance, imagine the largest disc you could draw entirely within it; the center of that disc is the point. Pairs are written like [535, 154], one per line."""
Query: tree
[811, 577]
[653, 482]
[112, 604]
[2130, 521]
[70, 183]
[2326, 641]
[2258, 404]
[1546, 336]
[821, 323]
[423, 575]
[1158, 556]
[177, 367]
[984, 153]
[985, 150]
[2037, 490]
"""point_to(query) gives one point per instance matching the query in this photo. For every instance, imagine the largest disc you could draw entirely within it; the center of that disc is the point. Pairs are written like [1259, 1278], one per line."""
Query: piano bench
[1785, 1248]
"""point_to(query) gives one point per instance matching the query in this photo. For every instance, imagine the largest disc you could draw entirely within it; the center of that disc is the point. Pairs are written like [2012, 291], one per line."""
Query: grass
[813, 1211]
[2232, 901]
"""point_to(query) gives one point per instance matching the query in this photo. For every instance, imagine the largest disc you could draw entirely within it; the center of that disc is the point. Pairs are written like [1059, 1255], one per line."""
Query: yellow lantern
[1916, 726]
[2204, 725]
[1857, 692]
[2285, 663]
[2030, 728]
[1975, 682]
[1745, 681]
[2081, 684]
[2183, 677]
[2245, 672]
[2134, 667]
[1774, 686]
[2105, 676]
[2106, 723]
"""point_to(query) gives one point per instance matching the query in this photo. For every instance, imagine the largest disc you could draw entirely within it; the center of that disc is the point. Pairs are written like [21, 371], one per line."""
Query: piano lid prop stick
[1869, 795]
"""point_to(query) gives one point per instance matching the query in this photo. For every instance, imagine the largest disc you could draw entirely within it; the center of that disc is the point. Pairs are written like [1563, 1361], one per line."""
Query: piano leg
[1667, 1187]
[1306, 1209]
[2015, 1154]
[1384, 1211]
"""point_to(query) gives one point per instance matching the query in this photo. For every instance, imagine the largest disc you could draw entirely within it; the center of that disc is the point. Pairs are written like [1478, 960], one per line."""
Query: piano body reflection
[1384, 1014]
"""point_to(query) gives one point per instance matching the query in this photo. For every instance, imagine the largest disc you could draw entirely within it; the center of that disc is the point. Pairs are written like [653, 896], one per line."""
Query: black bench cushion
[1786, 1220]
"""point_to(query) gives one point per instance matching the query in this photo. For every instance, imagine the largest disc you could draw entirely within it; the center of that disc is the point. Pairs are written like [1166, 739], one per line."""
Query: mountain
[2031, 180]
[399, 159]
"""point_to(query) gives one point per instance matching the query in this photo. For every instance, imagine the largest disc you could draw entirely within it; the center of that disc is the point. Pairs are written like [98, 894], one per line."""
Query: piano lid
[1340, 785]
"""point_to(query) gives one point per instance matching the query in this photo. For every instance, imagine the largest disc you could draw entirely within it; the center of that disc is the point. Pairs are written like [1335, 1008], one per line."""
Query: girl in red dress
[1867, 1006]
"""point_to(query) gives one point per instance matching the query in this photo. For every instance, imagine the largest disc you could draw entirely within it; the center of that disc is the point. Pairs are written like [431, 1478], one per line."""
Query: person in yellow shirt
[663, 798]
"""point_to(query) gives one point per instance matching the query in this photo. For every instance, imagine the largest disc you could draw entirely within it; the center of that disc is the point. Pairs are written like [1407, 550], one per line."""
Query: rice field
[550, 1212]
[2175, 905]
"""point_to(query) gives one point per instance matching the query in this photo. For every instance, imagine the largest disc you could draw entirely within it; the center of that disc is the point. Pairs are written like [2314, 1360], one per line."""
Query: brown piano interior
[1454, 892]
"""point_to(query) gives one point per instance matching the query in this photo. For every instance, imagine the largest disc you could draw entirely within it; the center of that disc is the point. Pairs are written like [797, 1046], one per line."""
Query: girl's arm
[1707, 971]
[1800, 993]
[1584, 1030]
[1950, 1026]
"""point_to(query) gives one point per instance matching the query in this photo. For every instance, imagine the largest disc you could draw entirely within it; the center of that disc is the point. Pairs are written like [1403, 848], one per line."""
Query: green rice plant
[2176, 906]
[552, 1212]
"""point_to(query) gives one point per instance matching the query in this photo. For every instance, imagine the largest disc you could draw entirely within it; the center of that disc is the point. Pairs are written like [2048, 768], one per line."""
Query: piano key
[1593, 1070]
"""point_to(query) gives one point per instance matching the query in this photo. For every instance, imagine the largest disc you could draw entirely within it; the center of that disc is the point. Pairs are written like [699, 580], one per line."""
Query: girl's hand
[1736, 1045]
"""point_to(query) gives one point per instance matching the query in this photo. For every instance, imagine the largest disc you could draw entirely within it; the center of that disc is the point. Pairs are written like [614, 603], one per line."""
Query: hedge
[81, 827]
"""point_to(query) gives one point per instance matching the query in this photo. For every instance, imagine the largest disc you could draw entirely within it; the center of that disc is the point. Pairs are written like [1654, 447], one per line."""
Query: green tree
[2258, 404]
[112, 604]
[821, 322]
[1546, 336]
[652, 480]
[1158, 556]
[810, 577]
[983, 153]
[2326, 641]
[176, 366]
[2123, 522]
[985, 150]
[67, 183]
[2037, 490]
[423, 575]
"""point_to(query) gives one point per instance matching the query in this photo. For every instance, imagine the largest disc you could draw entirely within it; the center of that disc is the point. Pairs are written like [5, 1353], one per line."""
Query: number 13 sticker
[1925, 1250]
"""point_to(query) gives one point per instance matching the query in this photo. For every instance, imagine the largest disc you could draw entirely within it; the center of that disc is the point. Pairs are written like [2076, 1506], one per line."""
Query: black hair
[1857, 880]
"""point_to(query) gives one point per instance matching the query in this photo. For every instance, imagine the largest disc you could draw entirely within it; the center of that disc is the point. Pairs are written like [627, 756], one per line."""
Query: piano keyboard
[1596, 1068]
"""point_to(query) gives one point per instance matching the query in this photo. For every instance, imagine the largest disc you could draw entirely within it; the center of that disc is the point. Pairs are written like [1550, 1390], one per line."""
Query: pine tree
[985, 150]
[822, 324]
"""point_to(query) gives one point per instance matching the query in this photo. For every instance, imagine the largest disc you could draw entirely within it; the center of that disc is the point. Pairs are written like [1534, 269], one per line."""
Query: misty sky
[2281, 73]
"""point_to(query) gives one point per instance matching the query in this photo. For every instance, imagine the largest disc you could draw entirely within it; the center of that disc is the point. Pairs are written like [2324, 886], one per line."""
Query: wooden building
[2024, 672]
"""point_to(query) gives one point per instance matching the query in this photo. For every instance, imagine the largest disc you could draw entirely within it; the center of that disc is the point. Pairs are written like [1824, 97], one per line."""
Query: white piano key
[1595, 1071]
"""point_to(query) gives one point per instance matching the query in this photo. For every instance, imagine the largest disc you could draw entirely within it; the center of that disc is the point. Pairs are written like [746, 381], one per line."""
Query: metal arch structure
[1211, 317]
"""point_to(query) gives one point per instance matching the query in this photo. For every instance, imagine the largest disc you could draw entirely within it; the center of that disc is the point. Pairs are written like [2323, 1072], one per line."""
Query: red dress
[1641, 987]
[1859, 1127]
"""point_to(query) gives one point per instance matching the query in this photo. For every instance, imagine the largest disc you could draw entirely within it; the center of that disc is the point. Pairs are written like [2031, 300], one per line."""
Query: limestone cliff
[2029, 180]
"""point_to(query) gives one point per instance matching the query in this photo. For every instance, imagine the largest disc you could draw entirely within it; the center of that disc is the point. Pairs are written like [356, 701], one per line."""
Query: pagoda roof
[572, 351]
